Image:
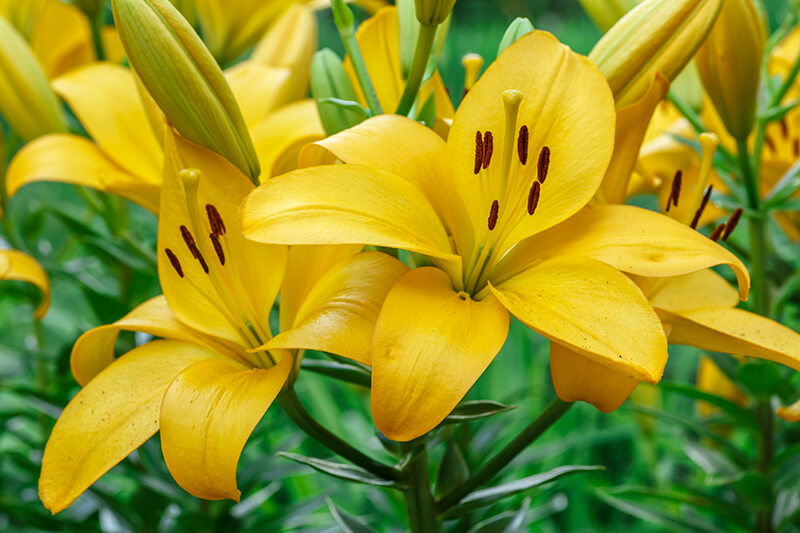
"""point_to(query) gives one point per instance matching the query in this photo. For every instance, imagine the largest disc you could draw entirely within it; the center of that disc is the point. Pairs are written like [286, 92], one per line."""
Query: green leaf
[473, 410]
[685, 495]
[453, 470]
[427, 115]
[507, 522]
[787, 507]
[711, 461]
[760, 378]
[484, 497]
[348, 105]
[340, 471]
[341, 371]
[736, 411]
[349, 524]
[751, 485]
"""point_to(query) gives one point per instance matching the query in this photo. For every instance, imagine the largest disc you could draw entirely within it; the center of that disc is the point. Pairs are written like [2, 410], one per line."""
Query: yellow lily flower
[713, 380]
[500, 211]
[17, 266]
[209, 382]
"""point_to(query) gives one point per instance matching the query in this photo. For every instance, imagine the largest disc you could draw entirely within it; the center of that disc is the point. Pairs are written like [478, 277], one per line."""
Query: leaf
[761, 378]
[453, 470]
[340, 471]
[347, 105]
[686, 495]
[787, 507]
[711, 461]
[484, 497]
[736, 411]
[349, 524]
[473, 410]
[751, 485]
[341, 371]
[507, 522]
[427, 115]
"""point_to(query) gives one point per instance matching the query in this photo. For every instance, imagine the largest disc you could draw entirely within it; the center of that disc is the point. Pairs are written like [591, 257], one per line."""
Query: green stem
[554, 411]
[360, 68]
[766, 420]
[758, 234]
[418, 497]
[96, 25]
[41, 373]
[427, 34]
[291, 404]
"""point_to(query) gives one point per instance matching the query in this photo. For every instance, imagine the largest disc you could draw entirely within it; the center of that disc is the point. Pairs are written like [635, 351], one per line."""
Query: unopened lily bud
[184, 79]
[605, 13]
[433, 12]
[657, 35]
[729, 64]
[90, 7]
[519, 27]
[26, 99]
[330, 81]
[343, 16]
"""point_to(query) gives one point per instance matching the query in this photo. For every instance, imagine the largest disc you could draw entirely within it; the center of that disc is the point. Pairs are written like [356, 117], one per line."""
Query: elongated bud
[657, 35]
[329, 81]
[433, 12]
[606, 13]
[519, 27]
[184, 79]
[729, 64]
[187, 8]
[342, 16]
[26, 99]
[90, 7]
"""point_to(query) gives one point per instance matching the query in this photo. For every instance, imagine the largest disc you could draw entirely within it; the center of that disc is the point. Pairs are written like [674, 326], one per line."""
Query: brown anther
[732, 222]
[215, 220]
[493, 214]
[675, 193]
[533, 197]
[478, 151]
[544, 164]
[192, 245]
[218, 248]
[770, 143]
[488, 148]
[522, 145]
[784, 128]
[176, 264]
[717, 233]
[703, 204]
[796, 148]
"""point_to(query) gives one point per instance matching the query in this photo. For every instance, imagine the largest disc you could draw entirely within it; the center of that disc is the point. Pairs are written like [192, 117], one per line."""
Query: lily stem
[360, 68]
[292, 406]
[427, 34]
[551, 414]
[96, 25]
[419, 499]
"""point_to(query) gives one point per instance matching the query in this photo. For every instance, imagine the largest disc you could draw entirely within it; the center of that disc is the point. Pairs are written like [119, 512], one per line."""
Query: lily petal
[631, 239]
[339, 313]
[790, 413]
[704, 288]
[578, 378]
[592, 309]
[78, 161]
[258, 89]
[18, 266]
[208, 413]
[431, 344]
[109, 418]
[735, 331]
[106, 101]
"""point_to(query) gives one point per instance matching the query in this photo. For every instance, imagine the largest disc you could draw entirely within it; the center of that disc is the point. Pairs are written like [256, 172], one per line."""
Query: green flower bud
[519, 27]
[342, 16]
[433, 12]
[184, 79]
[26, 99]
[335, 96]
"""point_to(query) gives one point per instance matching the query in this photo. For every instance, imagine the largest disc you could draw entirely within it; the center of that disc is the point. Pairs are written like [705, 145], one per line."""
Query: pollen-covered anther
[796, 148]
[732, 222]
[522, 145]
[173, 259]
[218, 248]
[478, 152]
[533, 197]
[717, 233]
[784, 128]
[215, 220]
[543, 166]
[703, 204]
[675, 193]
[192, 245]
[494, 213]
[488, 148]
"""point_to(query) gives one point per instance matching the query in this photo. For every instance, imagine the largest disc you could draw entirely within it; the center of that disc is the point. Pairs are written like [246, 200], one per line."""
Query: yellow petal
[562, 93]
[258, 89]
[109, 418]
[94, 350]
[632, 122]
[208, 413]
[344, 204]
[253, 271]
[630, 239]
[339, 313]
[280, 136]
[18, 266]
[711, 379]
[790, 413]
[78, 161]
[704, 288]
[578, 378]
[60, 37]
[431, 344]
[592, 309]
[736, 332]
[106, 101]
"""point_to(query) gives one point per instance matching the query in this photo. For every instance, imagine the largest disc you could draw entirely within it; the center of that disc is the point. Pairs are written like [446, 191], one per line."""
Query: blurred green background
[97, 277]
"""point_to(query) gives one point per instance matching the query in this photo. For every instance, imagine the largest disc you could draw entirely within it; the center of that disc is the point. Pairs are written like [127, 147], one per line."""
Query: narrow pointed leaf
[475, 409]
[340, 471]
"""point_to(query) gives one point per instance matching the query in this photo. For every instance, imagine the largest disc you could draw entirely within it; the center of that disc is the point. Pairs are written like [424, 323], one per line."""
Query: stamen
[215, 220]
[176, 264]
[533, 197]
[796, 148]
[478, 152]
[543, 166]
[511, 102]
[218, 248]
[488, 148]
[675, 193]
[472, 68]
[493, 214]
[770, 143]
[717, 233]
[522, 145]
[192, 245]
[732, 222]
[784, 128]
[703, 204]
